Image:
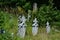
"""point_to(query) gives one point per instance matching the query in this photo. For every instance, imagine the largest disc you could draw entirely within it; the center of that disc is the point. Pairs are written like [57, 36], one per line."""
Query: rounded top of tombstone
[23, 19]
[47, 23]
[35, 6]
[35, 20]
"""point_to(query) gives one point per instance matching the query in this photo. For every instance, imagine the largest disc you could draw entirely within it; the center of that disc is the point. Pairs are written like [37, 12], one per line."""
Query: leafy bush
[47, 13]
[8, 22]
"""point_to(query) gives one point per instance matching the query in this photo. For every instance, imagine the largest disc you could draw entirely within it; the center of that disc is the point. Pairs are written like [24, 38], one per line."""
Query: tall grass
[10, 25]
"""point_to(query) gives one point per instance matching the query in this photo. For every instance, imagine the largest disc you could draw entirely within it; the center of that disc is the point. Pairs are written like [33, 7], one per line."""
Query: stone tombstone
[35, 7]
[29, 12]
[47, 27]
[22, 27]
[23, 19]
[34, 27]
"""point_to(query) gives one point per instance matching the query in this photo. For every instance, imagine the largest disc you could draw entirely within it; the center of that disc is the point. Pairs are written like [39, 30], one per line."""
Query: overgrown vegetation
[9, 20]
[8, 23]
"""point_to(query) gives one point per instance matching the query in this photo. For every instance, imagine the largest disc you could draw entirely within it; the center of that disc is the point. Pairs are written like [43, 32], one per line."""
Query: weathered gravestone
[34, 27]
[47, 27]
[22, 27]
[29, 12]
[35, 7]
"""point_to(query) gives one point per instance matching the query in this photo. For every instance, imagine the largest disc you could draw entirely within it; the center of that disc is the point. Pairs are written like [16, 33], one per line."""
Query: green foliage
[27, 6]
[47, 13]
[9, 23]
[1, 19]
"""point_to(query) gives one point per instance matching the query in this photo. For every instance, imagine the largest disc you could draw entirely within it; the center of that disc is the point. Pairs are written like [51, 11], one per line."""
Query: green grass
[9, 25]
[42, 35]
[12, 26]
